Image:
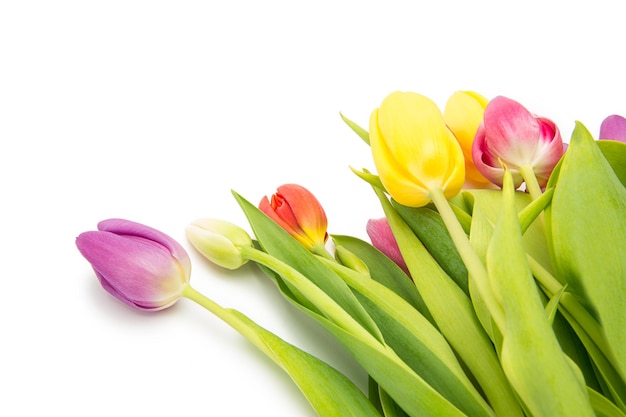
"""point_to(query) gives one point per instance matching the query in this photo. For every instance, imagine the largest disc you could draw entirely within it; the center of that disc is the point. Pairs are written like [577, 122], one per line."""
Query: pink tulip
[382, 238]
[140, 266]
[511, 135]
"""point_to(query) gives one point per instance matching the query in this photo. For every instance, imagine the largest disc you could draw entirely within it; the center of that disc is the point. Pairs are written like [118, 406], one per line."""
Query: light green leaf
[588, 232]
[355, 330]
[553, 304]
[363, 134]
[602, 406]
[281, 245]
[330, 393]
[453, 313]
[407, 388]
[531, 357]
[490, 203]
[615, 154]
[385, 271]
[418, 343]
[431, 230]
[390, 407]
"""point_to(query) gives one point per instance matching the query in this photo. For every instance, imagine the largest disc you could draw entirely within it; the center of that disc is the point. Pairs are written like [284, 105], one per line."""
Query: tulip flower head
[142, 267]
[463, 114]
[511, 135]
[219, 241]
[297, 211]
[382, 238]
[613, 128]
[413, 150]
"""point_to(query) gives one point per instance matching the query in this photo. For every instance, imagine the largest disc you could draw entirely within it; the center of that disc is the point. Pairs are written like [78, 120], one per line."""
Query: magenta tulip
[141, 266]
[613, 128]
[511, 135]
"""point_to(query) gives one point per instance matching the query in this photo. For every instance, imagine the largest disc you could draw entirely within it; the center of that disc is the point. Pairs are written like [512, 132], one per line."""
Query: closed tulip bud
[382, 238]
[512, 136]
[297, 211]
[142, 267]
[613, 128]
[413, 150]
[463, 114]
[219, 241]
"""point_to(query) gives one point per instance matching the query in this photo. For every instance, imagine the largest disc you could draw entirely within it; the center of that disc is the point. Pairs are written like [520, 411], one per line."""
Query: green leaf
[587, 221]
[407, 389]
[615, 154]
[553, 304]
[373, 180]
[281, 245]
[385, 271]
[608, 376]
[490, 202]
[390, 407]
[363, 134]
[602, 406]
[402, 383]
[329, 392]
[454, 314]
[431, 230]
[480, 236]
[531, 356]
[418, 343]
[416, 397]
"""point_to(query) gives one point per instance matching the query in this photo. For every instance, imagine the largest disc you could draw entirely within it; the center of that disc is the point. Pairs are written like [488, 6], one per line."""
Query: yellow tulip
[463, 114]
[413, 150]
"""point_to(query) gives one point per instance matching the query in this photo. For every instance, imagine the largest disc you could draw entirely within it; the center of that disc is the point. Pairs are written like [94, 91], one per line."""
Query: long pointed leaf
[531, 357]
[588, 234]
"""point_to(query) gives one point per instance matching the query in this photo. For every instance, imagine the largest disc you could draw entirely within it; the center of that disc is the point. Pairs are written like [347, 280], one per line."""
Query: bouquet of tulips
[495, 285]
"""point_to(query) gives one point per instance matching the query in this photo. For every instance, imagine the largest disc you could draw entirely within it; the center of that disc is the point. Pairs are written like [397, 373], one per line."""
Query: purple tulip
[511, 135]
[382, 238]
[613, 128]
[142, 267]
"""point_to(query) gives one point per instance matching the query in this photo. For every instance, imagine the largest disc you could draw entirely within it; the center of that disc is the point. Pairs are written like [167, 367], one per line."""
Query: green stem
[328, 391]
[474, 265]
[321, 250]
[229, 317]
[312, 292]
[532, 185]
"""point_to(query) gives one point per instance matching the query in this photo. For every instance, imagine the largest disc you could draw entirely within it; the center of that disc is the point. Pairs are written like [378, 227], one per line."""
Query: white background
[154, 110]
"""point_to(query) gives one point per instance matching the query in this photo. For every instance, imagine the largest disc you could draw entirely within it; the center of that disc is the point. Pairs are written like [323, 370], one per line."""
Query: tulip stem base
[477, 270]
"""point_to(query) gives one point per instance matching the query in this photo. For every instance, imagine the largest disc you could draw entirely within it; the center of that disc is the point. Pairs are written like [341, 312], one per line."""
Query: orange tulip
[297, 211]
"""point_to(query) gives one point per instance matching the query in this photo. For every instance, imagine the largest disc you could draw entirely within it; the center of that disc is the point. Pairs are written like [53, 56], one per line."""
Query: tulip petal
[135, 270]
[463, 114]
[269, 208]
[413, 149]
[382, 239]
[509, 127]
[399, 182]
[614, 128]
[297, 211]
[128, 228]
[306, 209]
[510, 135]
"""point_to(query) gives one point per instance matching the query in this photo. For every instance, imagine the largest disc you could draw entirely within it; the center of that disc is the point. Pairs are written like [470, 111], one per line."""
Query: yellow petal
[463, 114]
[413, 149]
